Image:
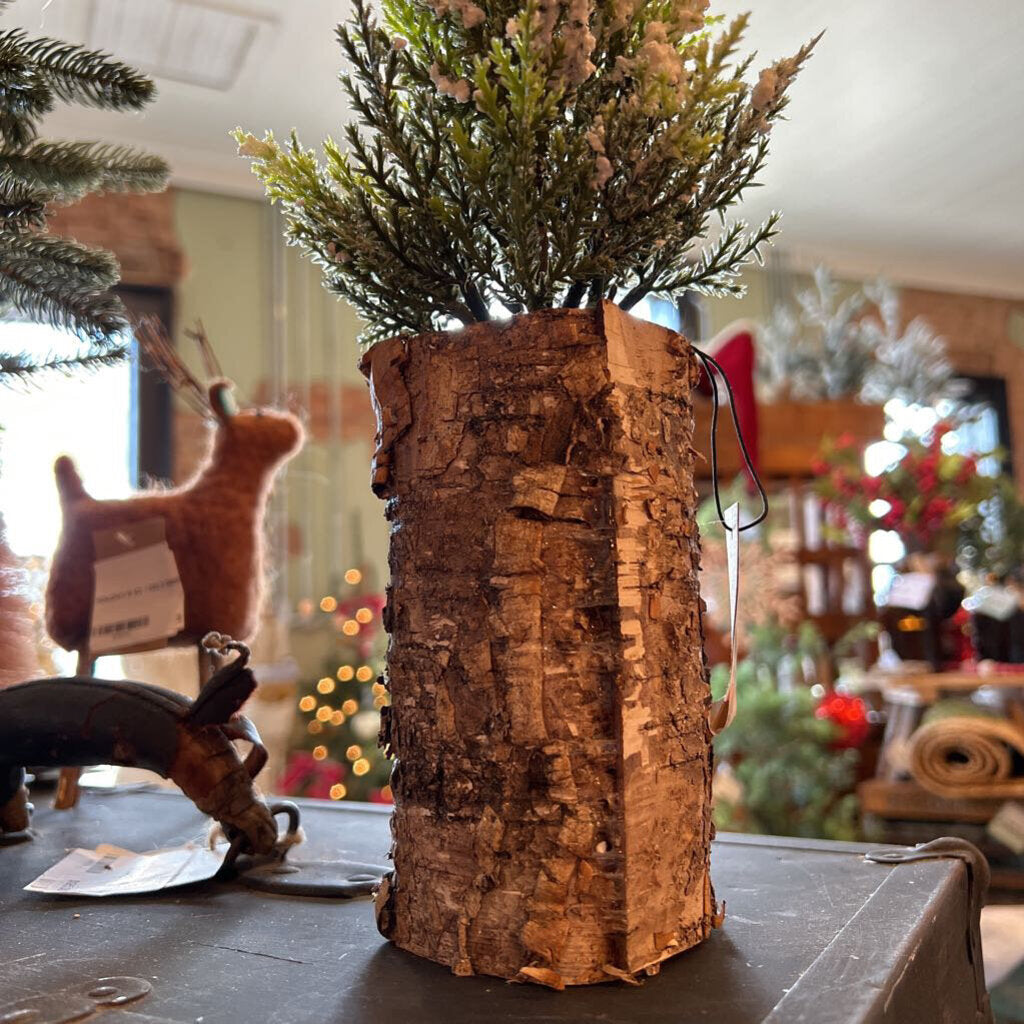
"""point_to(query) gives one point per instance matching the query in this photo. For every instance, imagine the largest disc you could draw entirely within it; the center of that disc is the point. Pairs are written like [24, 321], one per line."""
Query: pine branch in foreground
[88, 77]
[55, 280]
[70, 170]
[58, 260]
[62, 283]
[21, 367]
[21, 208]
[24, 99]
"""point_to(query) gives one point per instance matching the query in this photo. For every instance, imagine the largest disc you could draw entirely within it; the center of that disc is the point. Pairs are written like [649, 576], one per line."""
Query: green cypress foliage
[521, 157]
[56, 280]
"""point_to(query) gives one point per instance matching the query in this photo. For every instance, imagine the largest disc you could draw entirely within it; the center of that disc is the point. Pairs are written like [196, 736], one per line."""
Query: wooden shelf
[930, 685]
[791, 435]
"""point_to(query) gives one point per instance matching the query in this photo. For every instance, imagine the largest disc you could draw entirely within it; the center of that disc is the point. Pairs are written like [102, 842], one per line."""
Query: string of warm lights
[323, 715]
[329, 603]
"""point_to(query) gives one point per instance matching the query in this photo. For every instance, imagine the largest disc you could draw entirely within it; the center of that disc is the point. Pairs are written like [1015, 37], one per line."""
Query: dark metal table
[813, 933]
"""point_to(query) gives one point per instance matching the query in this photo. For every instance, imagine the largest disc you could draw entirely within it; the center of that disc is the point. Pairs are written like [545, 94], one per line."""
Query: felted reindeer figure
[214, 523]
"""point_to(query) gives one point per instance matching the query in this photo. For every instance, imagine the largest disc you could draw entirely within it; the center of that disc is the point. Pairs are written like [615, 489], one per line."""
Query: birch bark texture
[549, 691]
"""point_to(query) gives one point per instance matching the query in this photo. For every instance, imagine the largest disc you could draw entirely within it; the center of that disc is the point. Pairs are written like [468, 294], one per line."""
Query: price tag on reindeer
[139, 600]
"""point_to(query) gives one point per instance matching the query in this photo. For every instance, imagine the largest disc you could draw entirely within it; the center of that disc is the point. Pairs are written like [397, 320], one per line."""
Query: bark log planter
[549, 694]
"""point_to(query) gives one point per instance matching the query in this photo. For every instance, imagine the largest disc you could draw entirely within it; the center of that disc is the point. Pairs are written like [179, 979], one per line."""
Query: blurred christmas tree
[787, 764]
[57, 280]
[335, 754]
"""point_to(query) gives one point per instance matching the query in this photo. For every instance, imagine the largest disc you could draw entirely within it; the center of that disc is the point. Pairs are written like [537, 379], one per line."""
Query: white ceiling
[904, 152]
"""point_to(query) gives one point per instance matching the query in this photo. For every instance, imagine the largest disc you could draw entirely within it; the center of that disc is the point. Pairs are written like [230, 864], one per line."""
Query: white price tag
[111, 871]
[138, 599]
[999, 603]
[911, 590]
[1007, 826]
[724, 710]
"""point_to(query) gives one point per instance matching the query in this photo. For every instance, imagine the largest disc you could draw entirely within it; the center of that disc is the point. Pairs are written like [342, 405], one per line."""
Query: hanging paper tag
[911, 590]
[138, 601]
[111, 871]
[724, 711]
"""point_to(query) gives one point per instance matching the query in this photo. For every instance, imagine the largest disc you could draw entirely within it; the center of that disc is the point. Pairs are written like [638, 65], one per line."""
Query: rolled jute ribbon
[967, 756]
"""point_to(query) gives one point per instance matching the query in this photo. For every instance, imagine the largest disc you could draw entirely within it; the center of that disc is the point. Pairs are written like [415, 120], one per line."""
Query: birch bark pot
[549, 691]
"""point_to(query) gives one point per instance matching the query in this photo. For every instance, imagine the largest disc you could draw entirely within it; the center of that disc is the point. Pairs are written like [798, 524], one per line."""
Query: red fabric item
[733, 349]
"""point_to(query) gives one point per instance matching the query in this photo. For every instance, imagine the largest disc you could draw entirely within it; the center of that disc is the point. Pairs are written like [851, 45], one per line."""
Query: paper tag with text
[111, 871]
[138, 601]
[911, 590]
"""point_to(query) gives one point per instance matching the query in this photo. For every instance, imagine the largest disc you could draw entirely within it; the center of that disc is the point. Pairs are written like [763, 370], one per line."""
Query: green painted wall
[755, 305]
[232, 246]
[226, 243]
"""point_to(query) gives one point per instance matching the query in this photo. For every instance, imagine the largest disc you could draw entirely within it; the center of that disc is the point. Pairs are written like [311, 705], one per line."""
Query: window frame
[152, 438]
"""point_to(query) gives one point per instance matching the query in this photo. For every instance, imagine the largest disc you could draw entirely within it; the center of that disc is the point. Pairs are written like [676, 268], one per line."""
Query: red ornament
[850, 714]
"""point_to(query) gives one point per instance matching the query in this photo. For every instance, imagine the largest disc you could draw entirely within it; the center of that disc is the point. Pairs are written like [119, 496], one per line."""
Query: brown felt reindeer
[213, 524]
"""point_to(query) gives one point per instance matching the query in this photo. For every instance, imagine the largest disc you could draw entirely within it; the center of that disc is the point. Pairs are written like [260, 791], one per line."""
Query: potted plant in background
[823, 347]
[928, 497]
[545, 664]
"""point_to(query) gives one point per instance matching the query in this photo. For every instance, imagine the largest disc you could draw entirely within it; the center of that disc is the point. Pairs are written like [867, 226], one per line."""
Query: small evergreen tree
[530, 155]
[785, 774]
[56, 280]
[334, 753]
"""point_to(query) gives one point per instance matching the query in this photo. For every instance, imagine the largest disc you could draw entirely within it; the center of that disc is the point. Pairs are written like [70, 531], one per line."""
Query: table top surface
[221, 952]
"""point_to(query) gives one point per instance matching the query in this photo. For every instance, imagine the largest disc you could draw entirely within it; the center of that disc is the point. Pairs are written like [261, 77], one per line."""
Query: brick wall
[138, 229]
[985, 337]
[309, 402]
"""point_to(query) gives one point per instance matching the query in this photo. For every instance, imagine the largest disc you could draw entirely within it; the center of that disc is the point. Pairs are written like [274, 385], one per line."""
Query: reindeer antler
[210, 361]
[153, 340]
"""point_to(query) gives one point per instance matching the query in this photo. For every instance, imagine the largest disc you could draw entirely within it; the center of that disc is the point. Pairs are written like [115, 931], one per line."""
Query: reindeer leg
[66, 797]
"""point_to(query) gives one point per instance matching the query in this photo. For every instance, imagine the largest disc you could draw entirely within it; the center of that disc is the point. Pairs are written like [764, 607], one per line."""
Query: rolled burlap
[968, 756]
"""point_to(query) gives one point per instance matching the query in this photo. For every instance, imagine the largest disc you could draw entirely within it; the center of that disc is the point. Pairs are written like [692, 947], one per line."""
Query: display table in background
[813, 933]
[930, 686]
[896, 808]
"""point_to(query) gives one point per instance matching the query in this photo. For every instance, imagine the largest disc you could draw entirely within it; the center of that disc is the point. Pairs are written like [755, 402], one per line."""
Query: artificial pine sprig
[51, 279]
[511, 156]
[26, 369]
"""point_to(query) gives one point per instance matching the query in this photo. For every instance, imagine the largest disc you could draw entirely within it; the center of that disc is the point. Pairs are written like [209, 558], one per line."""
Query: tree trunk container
[549, 692]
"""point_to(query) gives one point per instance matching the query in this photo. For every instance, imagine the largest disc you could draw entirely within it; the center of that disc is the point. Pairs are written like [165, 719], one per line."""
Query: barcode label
[138, 600]
[103, 864]
[120, 627]
[111, 871]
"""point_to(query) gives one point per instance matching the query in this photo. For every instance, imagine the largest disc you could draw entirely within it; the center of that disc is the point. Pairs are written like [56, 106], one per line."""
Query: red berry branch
[926, 495]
